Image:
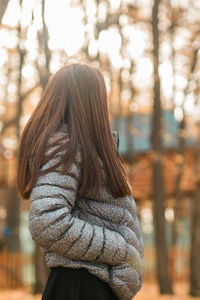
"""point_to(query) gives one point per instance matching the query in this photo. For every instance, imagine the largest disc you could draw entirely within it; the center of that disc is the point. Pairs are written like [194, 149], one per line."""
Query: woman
[82, 211]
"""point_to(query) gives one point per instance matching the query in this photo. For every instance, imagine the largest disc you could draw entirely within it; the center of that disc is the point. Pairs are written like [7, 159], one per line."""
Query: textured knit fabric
[101, 234]
[75, 284]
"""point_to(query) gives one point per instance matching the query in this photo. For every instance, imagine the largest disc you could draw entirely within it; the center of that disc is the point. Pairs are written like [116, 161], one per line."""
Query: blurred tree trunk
[180, 167]
[3, 6]
[179, 161]
[181, 148]
[130, 125]
[43, 63]
[195, 219]
[13, 207]
[13, 211]
[41, 269]
[195, 228]
[158, 181]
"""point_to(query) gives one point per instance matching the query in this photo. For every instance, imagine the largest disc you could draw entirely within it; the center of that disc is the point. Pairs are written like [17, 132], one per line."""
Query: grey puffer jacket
[101, 235]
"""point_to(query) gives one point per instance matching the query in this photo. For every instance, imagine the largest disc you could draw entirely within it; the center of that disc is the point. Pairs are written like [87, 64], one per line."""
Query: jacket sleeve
[55, 229]
[138, 243]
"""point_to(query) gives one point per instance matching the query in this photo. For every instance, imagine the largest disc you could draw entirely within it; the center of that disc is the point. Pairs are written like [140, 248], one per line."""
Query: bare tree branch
[3, 6]
[13, 121]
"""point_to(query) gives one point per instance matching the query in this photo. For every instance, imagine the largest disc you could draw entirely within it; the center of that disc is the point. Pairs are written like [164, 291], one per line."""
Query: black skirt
[75, 284]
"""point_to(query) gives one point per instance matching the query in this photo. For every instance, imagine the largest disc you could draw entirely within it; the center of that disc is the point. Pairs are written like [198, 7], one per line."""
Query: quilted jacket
[101, 234]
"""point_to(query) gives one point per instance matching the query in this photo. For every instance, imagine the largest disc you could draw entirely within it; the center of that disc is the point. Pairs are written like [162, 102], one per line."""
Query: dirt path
[151, 292]
[148, 292]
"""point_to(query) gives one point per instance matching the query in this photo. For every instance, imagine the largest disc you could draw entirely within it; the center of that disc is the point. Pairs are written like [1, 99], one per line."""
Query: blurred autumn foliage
[148, 51]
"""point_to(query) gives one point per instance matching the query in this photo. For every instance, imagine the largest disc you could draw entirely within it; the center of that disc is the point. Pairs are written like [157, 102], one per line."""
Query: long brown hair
[76, 95]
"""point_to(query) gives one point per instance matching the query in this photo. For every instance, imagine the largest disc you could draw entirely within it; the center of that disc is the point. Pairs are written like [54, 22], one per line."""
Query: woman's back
[100, 234]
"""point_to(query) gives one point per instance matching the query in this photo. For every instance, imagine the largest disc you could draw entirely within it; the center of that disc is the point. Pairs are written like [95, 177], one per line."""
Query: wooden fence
[17, 269]
[178, 267]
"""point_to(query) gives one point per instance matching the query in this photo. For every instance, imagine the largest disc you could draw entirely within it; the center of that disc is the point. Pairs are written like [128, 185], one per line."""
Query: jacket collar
[64, 127]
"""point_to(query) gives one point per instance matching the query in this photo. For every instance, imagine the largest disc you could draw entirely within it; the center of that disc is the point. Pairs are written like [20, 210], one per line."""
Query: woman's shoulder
[63, 132]
[57, 140]
[60, 136]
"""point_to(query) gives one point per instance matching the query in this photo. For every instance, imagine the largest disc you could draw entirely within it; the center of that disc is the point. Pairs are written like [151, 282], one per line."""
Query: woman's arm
[54, 228]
